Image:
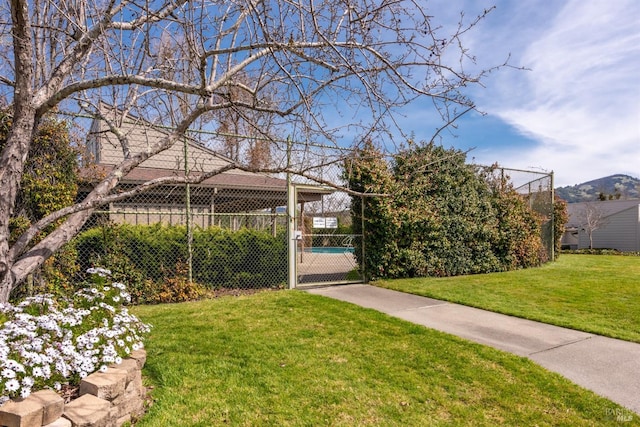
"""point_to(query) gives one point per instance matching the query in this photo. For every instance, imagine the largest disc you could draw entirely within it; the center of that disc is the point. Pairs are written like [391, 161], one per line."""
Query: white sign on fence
[331, 222]
[319, 222]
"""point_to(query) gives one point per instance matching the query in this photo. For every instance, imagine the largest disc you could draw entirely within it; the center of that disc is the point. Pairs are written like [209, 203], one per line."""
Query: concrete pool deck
[316, 267]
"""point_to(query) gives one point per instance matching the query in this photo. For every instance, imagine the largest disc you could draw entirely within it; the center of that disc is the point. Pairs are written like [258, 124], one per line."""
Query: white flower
[25, 392]
[62, 340]
[103, 272]
[34, 358]
[12, 364]
[8, 373]
[12, 385]
[103, 368]
[99, 271]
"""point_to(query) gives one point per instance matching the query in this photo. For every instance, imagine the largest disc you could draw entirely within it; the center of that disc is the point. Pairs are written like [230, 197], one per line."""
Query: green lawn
[593, 293]
[289, 358]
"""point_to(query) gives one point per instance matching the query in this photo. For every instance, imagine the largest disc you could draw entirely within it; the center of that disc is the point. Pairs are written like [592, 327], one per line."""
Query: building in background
[612, 224]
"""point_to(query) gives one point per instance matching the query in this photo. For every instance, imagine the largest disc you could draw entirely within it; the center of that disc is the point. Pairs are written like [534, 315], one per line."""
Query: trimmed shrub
[438, 216]
[153, 259]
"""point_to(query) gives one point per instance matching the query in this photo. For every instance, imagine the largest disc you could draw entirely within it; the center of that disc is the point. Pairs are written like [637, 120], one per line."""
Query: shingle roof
[141, 133]
[224, 180]
[228, 180]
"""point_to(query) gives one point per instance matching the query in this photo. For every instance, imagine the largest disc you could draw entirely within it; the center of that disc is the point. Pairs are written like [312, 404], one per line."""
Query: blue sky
[576, 111]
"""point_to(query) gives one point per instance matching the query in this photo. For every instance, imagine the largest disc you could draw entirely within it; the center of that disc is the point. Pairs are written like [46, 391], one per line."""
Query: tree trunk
[20, 135]
[13, 158]
[5, 288]
[36, 256]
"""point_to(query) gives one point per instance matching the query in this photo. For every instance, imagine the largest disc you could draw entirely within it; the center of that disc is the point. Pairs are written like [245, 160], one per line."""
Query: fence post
[188, 214]
[291, 224]
[553, 219]
[363, 271]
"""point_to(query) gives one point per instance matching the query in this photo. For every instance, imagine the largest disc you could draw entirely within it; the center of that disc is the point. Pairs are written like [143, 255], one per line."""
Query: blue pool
[329, 250]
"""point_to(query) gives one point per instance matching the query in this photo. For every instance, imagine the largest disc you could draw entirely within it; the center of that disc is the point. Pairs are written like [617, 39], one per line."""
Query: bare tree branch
[272, 66]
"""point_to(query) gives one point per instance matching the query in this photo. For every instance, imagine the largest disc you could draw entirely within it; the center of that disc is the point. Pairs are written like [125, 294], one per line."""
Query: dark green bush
[239, 259]
[148, 257]
[439, 216]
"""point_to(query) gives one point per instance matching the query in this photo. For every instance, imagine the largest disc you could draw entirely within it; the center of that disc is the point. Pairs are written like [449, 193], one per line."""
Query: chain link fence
[233, 232]
[226, 239]
[219, 251]
[537, 188]
[229, 239]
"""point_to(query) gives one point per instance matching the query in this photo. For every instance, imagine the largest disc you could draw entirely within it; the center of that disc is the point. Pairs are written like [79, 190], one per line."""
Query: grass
[593, 293]
[289, 358]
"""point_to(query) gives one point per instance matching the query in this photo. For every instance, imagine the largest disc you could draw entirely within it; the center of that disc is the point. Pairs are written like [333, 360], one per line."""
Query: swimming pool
[329, 249]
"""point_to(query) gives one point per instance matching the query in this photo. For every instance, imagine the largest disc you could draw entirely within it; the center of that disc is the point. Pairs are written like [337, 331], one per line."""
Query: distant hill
[626, 186]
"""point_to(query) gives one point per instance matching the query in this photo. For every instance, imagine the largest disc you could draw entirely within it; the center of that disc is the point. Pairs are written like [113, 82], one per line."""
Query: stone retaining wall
[107, 399]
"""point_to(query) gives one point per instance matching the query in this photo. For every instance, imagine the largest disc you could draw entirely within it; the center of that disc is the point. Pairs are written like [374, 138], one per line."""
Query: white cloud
[576, 110]
[581, 99]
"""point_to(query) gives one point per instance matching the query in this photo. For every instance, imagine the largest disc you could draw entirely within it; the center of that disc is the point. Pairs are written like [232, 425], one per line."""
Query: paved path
[607, 366]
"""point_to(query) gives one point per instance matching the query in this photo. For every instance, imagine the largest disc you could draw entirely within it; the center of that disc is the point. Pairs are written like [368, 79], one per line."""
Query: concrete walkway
[609, 367]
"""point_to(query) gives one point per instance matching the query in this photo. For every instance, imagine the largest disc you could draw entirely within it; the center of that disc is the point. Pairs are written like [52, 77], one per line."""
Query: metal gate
[327, 259]
[325, 250]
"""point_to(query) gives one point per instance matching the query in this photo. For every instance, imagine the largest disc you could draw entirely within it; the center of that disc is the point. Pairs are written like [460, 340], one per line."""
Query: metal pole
[188, 213]
[362, 222]
[553, 221]
[291, 224]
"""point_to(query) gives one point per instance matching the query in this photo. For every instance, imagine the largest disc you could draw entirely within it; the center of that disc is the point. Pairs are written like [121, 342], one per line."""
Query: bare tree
[176, 62]
[592, 218]
[246, 132]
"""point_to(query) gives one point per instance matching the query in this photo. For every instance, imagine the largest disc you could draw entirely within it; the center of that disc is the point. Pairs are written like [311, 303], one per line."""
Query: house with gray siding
[226, 195]
[618, 225]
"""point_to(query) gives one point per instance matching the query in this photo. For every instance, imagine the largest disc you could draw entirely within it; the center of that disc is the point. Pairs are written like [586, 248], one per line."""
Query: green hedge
[439, 216]
[221, 258]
